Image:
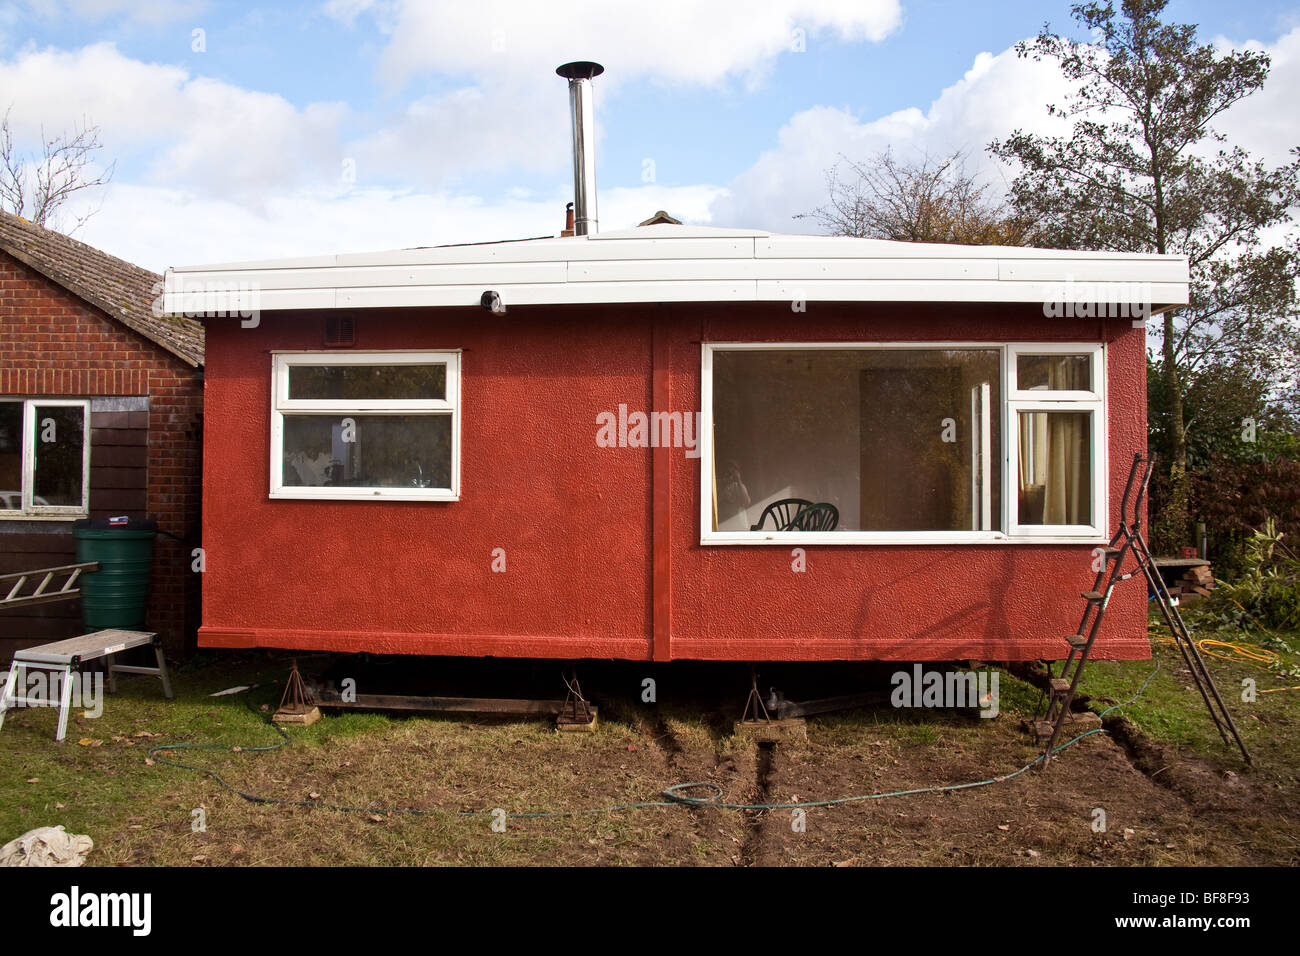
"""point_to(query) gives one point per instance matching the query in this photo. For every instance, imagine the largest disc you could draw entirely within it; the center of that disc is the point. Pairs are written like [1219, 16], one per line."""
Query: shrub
[1266, 595]
[1234, 498]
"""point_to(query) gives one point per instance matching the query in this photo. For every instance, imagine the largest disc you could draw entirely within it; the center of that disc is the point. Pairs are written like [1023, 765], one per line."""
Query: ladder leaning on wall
[1126, 541]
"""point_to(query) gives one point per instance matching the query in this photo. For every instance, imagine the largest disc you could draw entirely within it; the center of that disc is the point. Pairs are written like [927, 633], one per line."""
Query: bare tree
[930, 200]
[36, 187]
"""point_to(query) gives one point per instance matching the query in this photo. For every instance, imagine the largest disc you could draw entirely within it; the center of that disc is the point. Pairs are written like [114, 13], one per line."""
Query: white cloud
[473, 129]
[683, 41]
[996, 95]
[157, 227]
[223, 172]
[1267, 123]
[507, 112]
[206, 134]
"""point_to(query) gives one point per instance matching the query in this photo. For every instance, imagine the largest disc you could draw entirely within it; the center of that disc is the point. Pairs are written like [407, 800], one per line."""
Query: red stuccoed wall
[602, 544]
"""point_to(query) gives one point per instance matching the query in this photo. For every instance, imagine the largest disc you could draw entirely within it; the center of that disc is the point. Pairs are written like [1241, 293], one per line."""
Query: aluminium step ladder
[1128, 540]
[19, 596]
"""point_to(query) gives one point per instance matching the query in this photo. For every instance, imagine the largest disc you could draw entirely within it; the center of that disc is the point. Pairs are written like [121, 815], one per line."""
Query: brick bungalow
[80, 345]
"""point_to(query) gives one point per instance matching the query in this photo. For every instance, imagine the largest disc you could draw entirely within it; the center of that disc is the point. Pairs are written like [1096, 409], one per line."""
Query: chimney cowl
[579, 70]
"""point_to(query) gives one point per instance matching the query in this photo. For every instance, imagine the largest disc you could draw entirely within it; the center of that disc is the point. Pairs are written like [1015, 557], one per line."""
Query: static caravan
[671, 442]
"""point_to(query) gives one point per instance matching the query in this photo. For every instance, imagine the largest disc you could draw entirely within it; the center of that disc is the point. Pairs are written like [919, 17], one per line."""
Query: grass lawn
[1172, 791]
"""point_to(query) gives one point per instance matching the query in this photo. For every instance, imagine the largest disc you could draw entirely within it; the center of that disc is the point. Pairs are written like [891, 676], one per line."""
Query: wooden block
[569, 726]
[298, 718]
[784, 730]
[1077, 721]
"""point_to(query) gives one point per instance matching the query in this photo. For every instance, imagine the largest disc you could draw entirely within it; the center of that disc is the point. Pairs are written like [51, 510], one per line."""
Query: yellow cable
[1244, 651]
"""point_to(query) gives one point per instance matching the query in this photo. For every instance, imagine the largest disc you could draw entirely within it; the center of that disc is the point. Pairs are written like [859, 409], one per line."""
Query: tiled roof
[123, 290]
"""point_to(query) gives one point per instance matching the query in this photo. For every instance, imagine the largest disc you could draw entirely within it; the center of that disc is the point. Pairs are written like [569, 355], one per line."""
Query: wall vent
[340, 331]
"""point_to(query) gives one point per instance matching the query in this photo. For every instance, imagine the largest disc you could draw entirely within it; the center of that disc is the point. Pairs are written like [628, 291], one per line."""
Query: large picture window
[44, 458]
[901, 443]
[366, 425]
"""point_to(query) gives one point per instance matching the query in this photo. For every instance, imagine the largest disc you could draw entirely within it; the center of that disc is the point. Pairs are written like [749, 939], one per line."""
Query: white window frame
[1049, 400]
[1012, 533]
[29, 509]
[282, 361]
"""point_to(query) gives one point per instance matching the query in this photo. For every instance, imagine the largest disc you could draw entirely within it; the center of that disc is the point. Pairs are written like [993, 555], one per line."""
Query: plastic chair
[818, 517]
[782, 512]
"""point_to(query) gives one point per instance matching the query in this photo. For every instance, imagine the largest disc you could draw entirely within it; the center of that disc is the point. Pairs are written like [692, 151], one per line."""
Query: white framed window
[1057, 426]
[44, 458]
[902, 443]
[366, 425]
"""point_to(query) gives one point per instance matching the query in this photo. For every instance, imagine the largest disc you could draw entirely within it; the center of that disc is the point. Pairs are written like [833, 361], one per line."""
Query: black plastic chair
[782, 512]
[818, 517]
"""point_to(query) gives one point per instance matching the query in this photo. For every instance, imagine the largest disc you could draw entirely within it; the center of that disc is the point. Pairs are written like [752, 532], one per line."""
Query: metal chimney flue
[583, 112]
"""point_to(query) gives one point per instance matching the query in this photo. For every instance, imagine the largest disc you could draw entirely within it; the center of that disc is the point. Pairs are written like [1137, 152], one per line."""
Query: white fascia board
[366, 277]
[679, 264]
[583, 293]
[1111, 270]
[1163, 295]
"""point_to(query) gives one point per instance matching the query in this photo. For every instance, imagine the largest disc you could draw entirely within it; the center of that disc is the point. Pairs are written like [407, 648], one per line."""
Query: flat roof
[670, 263]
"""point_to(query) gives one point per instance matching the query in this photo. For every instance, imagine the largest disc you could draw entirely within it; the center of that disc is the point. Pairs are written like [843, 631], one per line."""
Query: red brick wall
[55, 344]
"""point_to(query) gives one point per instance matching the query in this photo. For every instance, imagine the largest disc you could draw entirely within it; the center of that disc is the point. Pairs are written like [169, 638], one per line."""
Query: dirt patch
[1034, 818]
[458, 775]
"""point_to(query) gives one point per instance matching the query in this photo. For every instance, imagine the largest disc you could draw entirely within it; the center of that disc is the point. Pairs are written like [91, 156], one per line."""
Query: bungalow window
[366, 425]
[1057, 415]
[901, 443]
[44, 458]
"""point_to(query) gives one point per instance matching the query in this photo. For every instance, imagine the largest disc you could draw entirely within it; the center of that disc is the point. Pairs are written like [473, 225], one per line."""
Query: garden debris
[47, 846]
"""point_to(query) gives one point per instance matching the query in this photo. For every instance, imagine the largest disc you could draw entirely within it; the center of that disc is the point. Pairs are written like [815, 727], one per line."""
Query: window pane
[1071, 373]
[11, 456]
[371, 451]
[891, 439]
[1055, 464]
[60, 437]
[343, 382]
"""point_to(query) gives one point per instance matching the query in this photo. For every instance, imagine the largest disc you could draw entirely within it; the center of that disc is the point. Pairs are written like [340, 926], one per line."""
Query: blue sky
[456, 126]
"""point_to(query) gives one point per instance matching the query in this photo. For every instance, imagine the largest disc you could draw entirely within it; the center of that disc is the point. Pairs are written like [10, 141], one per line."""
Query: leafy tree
[927, 200]
[1143, 170]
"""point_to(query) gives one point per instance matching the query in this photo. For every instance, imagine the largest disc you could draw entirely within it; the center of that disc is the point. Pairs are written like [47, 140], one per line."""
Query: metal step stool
[63, 657]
